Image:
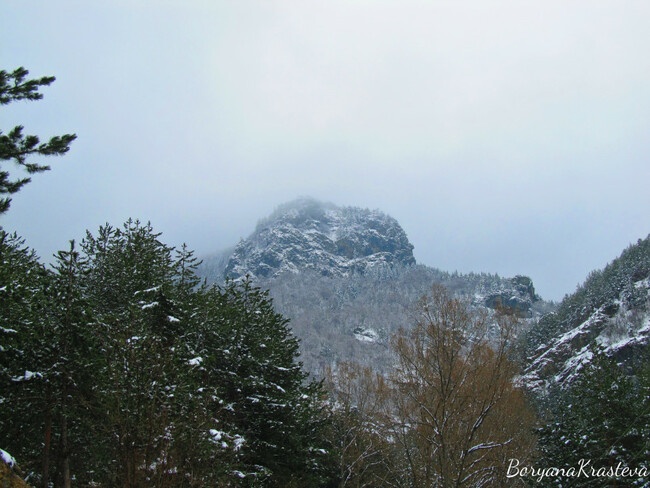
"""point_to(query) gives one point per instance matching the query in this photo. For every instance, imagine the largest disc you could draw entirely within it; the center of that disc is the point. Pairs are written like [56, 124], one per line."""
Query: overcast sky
[510, 137]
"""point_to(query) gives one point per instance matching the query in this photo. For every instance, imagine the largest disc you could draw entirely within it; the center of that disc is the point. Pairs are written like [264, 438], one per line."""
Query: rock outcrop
[309, 235]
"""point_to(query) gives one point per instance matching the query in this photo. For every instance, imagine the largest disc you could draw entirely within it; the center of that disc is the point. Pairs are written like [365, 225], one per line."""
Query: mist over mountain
[308, 235]
[347, 279]
[332, 241]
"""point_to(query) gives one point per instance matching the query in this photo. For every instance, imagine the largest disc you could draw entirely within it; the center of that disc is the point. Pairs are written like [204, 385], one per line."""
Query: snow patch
[366, 334]
[239, 442]
[7, 458]
[196, 361]
[27, 376]
[216, 434]
[148, 290]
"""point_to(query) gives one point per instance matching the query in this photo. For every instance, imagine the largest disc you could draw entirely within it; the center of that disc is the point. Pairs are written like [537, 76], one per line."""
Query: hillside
[347, 279]
[610, 311]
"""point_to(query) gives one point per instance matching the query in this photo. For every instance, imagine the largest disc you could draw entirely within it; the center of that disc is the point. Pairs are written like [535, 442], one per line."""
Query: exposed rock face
[519, 297]
[524, 286]
[310, 235]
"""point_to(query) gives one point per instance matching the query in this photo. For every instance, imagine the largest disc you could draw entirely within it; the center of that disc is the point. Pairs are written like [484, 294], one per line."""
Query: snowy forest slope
[610, 311]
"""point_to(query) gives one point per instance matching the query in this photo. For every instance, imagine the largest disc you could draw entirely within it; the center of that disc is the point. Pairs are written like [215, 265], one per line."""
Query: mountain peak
[306, 234]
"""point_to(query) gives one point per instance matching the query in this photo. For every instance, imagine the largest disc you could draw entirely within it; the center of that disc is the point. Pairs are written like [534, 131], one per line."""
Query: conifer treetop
[16, 146]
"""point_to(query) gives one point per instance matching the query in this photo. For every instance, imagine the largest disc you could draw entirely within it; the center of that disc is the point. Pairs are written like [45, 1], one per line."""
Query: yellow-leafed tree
[459, 417]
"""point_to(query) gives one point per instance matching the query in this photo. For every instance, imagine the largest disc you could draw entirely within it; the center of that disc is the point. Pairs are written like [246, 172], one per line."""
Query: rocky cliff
[332, 241]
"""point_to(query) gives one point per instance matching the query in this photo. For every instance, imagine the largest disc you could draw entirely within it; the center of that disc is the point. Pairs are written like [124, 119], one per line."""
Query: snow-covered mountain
[347, 279]
[332, 241]
[609, 312]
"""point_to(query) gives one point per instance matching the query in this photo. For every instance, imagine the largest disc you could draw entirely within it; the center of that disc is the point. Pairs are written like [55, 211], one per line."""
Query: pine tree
[119, 368]
[131, 282]
[278, 417]
[28, 353]
[602, 419]
[47, 365]
[16, 146]
[72, 323]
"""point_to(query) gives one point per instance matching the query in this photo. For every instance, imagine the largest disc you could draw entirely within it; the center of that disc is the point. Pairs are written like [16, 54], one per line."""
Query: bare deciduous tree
[360, 427]
[458, 415]
[450, 416]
